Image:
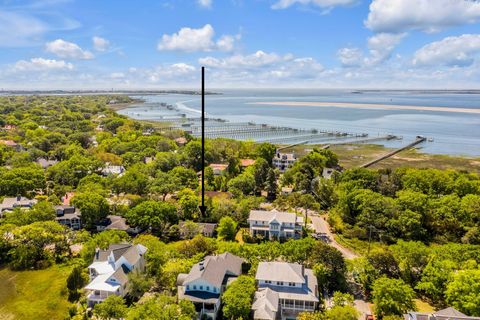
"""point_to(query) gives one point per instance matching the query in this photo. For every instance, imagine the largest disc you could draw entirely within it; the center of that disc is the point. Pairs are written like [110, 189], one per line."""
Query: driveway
[322, 226]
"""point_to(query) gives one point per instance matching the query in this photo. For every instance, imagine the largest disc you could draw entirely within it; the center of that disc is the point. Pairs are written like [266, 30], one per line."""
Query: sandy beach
[366, 106]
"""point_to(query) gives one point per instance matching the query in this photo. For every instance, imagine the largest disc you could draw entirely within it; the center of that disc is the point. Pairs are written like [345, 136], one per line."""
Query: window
[214, 289]
[188, 287]
[208, 288]
[194, 287]
[268, 281]
[279, 283]
[201, 287]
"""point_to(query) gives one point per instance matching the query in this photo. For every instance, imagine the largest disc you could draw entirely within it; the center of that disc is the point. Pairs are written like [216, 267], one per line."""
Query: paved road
[363, 308]
[322, 226]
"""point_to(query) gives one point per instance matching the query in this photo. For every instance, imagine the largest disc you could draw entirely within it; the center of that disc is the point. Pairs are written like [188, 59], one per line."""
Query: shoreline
[371, 106]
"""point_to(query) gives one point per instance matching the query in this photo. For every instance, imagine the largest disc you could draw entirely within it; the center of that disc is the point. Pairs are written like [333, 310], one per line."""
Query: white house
[284, 290]
[275, 224]
[108, 272]
[206, 281]
[282, 161]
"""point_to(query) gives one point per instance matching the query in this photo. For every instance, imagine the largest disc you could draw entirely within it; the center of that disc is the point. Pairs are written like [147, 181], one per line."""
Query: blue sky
[68, 44]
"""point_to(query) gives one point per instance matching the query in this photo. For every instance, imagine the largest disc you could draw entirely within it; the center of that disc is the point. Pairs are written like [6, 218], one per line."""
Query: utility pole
[202, 207]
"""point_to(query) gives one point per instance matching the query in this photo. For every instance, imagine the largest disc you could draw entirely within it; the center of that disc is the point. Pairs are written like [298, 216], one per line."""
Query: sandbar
[366, 106]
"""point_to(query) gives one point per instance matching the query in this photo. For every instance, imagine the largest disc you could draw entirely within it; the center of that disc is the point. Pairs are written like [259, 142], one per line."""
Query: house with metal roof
[68, 216]
[206, 281]
[110, 268]
[9, 204]
[275, 224]
[445, 314]
[284, 290]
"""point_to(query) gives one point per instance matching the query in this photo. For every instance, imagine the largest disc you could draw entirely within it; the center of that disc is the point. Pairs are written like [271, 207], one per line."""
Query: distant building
[275, 224]
[67, 198]
[181, 141]
[286, 191]
[282, 161]
[205, 229]
[69, 216]
[218, 168]
[244, 163]
[109, 271]
[9, 204]
[148, 160]
[113, 222]
[284, 290]
[111, 170]
[45, 163]
[206, 281]
[327, 173]
[12, 144]
[9, 127]
[445, 314]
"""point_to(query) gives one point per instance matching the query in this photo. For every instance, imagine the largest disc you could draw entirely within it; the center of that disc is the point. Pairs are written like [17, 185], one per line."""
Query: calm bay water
[452, 133]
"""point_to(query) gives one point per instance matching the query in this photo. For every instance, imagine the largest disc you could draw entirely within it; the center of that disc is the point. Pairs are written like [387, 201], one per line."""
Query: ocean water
[452, 133]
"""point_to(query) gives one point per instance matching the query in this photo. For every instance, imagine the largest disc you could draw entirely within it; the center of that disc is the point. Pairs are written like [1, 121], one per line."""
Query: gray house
[69, 216]
[206, 281]
[445, 314]
[9, 204]
[284, 290]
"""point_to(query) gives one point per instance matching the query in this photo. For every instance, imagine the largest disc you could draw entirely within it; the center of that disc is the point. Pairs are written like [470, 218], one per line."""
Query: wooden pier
[394, 152]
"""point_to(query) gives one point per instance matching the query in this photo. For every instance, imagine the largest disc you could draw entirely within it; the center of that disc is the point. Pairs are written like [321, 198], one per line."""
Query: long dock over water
[394, 152]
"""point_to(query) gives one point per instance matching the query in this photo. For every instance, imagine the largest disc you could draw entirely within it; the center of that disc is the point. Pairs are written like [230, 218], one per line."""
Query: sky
[106, 44]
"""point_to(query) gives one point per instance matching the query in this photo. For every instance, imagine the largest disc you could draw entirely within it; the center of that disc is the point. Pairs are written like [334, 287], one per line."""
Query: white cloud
[167, 72]
[257, 59]
[226, 43]
[100, 44]
[201, 39]
[381, 46]
[65, 49]
[205, 3]
[262, 68]
[451, 51]
[41, 64]
[393, 16]
[188, 39]
[350, 57]
[283, 4]
[19, 29]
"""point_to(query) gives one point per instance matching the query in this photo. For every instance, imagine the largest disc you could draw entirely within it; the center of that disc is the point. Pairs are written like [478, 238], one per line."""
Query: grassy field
[356, 155]
[358, 246]
[423, 306]
[29, 295]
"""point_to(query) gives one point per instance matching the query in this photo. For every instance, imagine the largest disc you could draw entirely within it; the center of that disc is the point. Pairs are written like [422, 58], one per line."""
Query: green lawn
[39, 294]
[358, 246]
[423, 306]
